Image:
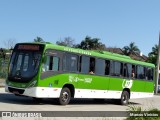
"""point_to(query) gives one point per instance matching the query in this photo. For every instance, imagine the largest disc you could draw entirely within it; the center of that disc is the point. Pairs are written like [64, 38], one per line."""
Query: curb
[2, 85]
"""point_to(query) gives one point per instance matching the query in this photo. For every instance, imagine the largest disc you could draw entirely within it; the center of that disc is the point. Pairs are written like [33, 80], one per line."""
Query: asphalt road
[10, 102]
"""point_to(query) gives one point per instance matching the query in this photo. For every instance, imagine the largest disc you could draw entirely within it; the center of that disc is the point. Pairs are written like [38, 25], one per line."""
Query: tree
[91, 44]
[2, 53]
[10, 43]
[38, 39]
[68, 41]
[132, 48]
[152, 56]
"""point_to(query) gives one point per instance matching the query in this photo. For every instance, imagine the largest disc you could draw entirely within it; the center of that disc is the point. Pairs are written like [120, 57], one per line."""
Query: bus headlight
[32, 84]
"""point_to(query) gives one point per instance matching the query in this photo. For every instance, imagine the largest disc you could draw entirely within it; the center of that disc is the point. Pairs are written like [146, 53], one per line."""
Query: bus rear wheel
[65, 96]
[124, 98]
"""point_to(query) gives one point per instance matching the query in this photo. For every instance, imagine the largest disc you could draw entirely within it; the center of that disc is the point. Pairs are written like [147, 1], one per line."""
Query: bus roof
[96, 53]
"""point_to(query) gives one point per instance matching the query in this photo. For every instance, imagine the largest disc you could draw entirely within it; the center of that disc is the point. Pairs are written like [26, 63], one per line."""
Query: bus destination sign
[28, 47]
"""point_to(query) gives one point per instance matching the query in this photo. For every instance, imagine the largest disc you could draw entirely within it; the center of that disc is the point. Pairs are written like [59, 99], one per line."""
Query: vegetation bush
[138, 113]
[3, 68]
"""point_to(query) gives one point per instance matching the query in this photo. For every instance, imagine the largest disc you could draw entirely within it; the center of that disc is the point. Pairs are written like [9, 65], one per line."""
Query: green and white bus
[45, 70]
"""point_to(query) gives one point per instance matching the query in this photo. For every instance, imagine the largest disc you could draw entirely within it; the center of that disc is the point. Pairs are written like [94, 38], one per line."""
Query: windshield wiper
[18, 75]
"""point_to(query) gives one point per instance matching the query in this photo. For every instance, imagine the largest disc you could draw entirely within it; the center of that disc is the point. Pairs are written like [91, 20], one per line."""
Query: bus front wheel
[65, 96]
[124, 98]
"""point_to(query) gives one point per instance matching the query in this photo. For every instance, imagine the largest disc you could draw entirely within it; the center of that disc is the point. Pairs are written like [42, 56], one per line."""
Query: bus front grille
[15, 90]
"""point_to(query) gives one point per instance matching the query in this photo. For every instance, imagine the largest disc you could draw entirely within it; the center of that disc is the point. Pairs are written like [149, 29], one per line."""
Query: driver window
[51, 64]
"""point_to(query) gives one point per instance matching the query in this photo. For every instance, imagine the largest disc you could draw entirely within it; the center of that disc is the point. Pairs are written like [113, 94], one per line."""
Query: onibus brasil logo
[127, 83]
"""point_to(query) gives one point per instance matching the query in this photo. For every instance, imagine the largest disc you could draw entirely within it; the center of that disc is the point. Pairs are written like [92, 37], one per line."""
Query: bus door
[121, 78]
[137, 81]
[51, 68]
[149, 85]
[70, 68]
[116, 76]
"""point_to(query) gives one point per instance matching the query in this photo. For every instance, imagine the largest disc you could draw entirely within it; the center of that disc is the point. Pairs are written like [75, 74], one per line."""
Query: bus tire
[124, 98]
[65, 96]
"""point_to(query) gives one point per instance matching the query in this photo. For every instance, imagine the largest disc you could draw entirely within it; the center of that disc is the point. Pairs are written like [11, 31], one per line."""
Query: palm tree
[152, 56]
[154, 51]
[91, 44]
[132, 48]
[38, 39]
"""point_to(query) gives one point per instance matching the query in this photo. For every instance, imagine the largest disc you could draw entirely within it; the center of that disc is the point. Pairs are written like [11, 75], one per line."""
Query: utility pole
[157, 69]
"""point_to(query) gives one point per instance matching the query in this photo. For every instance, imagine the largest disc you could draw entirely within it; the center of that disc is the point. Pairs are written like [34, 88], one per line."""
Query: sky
[116, 23]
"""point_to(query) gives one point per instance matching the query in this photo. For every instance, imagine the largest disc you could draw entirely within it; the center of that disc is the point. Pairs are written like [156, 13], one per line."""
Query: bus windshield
[24, 65]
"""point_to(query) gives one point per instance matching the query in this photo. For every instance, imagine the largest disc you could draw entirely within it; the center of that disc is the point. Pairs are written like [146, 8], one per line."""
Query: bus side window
[133, 71]
[149, 73]
[140, 72]
[130, 72]
[107, 67]
[70, 62]
[74, 63]
[84, 62]
[145, 73]
[92, 66]
[46, 64]
[55, 65]
[52, 64]
[125, 71]
[136, 72]
[116, 68]
[112, 68]
[100, 67]
[121, 69]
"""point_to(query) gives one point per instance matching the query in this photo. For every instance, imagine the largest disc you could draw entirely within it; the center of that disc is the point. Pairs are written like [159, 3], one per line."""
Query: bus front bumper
[39, 92]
